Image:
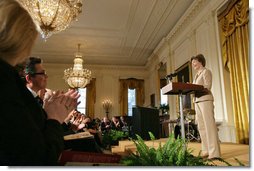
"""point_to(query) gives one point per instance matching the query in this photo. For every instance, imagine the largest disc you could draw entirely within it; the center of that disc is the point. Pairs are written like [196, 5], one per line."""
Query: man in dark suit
[36, 77]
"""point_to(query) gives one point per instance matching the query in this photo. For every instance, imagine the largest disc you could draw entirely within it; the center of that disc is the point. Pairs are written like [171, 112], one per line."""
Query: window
[164, 98]
[131, 100]
[82, 99]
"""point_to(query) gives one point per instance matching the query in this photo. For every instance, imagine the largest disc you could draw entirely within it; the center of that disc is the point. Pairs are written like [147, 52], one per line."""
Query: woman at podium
[205, 109]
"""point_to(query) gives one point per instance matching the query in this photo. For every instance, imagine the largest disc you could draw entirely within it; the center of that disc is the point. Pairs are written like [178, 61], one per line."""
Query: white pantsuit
[205, 115]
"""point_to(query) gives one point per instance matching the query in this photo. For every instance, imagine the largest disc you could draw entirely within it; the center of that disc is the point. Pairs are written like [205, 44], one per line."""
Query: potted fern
[171, 153]
[164, 108]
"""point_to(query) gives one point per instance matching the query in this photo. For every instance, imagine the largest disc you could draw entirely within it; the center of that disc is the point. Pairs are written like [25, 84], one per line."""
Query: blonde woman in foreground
[27, 135]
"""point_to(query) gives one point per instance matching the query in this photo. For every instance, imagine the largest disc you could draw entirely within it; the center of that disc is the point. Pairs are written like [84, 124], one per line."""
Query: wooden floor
[229, 151]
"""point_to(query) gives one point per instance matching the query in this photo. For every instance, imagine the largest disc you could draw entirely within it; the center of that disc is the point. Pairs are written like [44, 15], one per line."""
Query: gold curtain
[123, 97]
[234, 29]
[131, 83]
[90, 98]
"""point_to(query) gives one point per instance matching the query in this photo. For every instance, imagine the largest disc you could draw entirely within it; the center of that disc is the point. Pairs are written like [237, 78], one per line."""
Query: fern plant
[171, 153]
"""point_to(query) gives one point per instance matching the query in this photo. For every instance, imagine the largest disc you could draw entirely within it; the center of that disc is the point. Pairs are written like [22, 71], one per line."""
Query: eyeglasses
[40, 73]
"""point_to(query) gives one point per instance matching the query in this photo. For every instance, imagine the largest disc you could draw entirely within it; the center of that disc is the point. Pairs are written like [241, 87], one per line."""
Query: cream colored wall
[197, 33]
[160, 55]
[55, 76]
[152, 84]
[107, 82]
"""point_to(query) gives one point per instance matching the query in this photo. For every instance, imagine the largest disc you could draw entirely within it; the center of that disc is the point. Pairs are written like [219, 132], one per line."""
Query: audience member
[97, 123]
[68, 123]
[90, 126]
[125, 125]
[36, 77]
[116, 124]
[105, 125]
[37, 141]
[41, 93]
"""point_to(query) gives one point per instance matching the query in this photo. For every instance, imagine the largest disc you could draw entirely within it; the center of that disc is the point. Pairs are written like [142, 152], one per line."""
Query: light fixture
[52, 16]
[77, 77]
[107, 105]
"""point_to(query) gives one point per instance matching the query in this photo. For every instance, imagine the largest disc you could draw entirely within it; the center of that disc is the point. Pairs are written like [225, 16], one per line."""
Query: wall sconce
[107, 105]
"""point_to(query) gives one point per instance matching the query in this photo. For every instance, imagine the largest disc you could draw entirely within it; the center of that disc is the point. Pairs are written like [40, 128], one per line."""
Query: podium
[174, 88]
[179, 88]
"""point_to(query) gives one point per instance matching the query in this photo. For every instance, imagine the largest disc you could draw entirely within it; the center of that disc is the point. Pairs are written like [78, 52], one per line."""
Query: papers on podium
[78, 136]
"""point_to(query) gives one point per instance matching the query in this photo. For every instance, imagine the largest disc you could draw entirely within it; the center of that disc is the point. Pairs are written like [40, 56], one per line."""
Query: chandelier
[77, 77]
[52, 16]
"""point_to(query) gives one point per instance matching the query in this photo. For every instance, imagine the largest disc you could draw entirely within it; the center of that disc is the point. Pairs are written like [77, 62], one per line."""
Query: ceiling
[114, 32]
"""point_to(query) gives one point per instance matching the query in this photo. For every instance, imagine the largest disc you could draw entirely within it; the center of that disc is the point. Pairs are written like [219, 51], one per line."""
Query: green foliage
[112, 137]
[172, 153]
[164, 108]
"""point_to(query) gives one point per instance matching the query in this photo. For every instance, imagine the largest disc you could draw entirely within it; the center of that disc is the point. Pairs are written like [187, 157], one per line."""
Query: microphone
[170, 76]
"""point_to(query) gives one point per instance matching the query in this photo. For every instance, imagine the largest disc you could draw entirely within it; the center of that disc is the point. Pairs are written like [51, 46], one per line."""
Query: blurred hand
[81, 126]
[69, 117]
[71, 99]
[76, 125]
[59, 104]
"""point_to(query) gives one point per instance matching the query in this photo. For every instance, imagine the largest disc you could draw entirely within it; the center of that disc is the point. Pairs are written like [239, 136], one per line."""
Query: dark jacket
[26, 136]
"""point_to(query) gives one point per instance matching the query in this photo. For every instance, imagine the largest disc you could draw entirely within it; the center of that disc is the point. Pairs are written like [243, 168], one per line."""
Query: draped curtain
[234, 30]
[126, 84]
[90, 98]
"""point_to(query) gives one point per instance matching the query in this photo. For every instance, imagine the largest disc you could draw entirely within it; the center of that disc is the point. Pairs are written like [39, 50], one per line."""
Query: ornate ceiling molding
[188, 17]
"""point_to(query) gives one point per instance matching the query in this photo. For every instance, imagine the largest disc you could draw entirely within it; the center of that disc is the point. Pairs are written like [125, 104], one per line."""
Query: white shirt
[33, 92]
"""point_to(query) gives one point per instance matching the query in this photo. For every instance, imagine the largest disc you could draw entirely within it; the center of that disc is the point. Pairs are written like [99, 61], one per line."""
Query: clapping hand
[60, 104]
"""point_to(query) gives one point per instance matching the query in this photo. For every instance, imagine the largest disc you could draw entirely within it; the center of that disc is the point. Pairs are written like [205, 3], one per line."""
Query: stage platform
[229, 151]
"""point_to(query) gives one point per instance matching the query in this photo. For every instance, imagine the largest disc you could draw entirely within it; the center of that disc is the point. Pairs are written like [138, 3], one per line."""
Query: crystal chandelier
[52, 16]
[77, 77]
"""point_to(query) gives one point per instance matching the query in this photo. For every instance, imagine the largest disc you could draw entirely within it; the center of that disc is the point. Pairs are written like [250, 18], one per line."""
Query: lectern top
[179, 87]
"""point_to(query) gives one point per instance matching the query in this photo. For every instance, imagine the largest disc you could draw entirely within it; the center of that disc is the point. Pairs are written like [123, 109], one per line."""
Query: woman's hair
[17, 30]
[200, 58]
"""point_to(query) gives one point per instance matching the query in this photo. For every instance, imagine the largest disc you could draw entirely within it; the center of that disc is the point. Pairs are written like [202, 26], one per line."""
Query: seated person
[116, 124]
[72, 122]
[83, 123]
[124, 123]
[97, 123]
[91, 127]
[105, 125]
